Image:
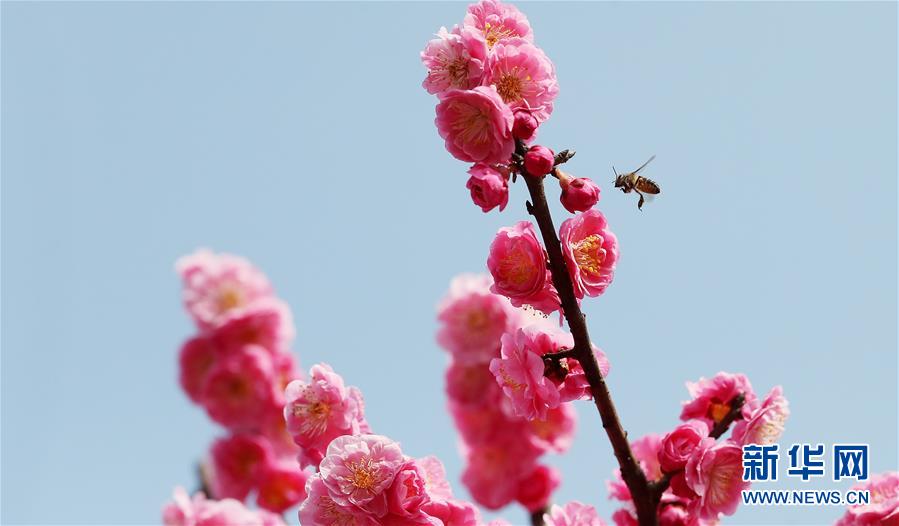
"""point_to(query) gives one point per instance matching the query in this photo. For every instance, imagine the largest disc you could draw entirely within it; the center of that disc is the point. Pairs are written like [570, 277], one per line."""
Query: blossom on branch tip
[538, 160]
[591, 252]
[476, 125]
[579, 194]
[524, 77]
[497, 22]
[712, 398]
[455, 60]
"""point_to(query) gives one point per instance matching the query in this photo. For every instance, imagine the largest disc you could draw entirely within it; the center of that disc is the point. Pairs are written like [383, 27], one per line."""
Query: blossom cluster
[200, 511]
[236, 368]
[495, 348]
[883, 506]
[704, 473]
[518, 262]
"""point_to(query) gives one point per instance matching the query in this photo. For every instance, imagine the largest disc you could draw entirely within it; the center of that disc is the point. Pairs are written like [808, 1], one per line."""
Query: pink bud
[525, 125]
[578, 194]
[489, 187]
[535, 490]
[678, 445]
[539, 160]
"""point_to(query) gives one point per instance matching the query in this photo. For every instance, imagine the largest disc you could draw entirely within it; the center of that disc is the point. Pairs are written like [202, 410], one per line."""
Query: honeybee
[631, 182]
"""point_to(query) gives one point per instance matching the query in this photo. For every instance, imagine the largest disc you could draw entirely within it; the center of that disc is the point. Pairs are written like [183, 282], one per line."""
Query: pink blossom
[715, 473]
[556, 431]
[240, 387]
[358, 470]
[646, 451]
[320, 509]
[711, 398]
[678, 445]
[217, 284]
[579, 194]
[524, 77]
[472, 384]
[494, 469]
[496, 22]
[539, 160]
[572, 514]
[321, 409]
[453, 512]
[674, 516]
[624, 517]
[408, 493]
[525, 125]
[764, 424]
[236, 463]
[489, 188]
[518, 265]
[266, 322]
[476, 125]
[575, 386]
[519, 372]
[200, 511]
[282, 485]
[473, 319]
[436, 485]
[536, 489]
[591, 251]
[883, 508]
[485, 423]
[455, 60]
[196, 359]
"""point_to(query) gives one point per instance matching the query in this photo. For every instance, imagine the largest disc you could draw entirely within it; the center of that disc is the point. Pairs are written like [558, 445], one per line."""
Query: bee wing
[644, 164]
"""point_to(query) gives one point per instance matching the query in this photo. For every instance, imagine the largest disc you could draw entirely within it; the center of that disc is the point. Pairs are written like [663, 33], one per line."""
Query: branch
[537, 517]
[634, 478]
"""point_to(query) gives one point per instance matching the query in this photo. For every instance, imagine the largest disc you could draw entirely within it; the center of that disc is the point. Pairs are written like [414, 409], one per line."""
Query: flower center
[718, 410]
[457, 71]
[588, 254]
[509, 87]
[516, 267]
[493, 34]
[471, 124]
[363, 475]
[229, 297]
[314, 413]
[509, 381]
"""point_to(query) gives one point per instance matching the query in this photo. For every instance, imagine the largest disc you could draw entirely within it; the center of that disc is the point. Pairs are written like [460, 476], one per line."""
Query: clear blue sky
[298, 136]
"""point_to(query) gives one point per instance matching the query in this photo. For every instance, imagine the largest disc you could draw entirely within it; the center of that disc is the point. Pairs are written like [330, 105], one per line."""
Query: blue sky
[297, 135]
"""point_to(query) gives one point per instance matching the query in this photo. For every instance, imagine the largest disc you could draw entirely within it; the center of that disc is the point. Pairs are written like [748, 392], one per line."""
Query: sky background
[298, 136]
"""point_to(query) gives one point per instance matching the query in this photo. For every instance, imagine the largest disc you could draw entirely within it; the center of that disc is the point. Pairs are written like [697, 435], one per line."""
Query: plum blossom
[714, 473]
[518, 265]
[282, 485]
[711, 398]
[320, 509]
[470, 384]
[556, 431]
[434, 474]
[408, 493]
[883, 508]
[455, 60]
[476, 125]
[493, 469]
[678, 445]
[200, 511]
[489, 187]
[539, 160]
[497, 22]
[197, 357]
[453, 512]
[236, 463]
[321, 409]
[524, 77]
[579, 194]
[358, 469]
[535, 490]
[519, 372]
[525, 125]
[572, 514]
[266, 323]
[764, 424]
[473, 319]
[591, 251]
[240, 387]
[646, 452]
[217, 284]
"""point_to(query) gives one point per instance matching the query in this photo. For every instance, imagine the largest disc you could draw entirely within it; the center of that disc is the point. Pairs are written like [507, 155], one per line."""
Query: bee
[631, 182]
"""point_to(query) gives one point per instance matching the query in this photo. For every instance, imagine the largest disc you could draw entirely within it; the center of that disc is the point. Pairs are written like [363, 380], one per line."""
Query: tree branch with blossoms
[495, 89]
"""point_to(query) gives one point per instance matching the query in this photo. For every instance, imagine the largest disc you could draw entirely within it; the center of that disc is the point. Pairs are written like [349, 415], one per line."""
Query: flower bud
[539, 160]
[579, 194]
[489, 187]
[535, 490]
[525, 125]
[678, 445]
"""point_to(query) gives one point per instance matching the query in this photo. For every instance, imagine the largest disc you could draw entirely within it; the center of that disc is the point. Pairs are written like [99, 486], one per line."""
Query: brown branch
[537, 517]
[645, 501]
